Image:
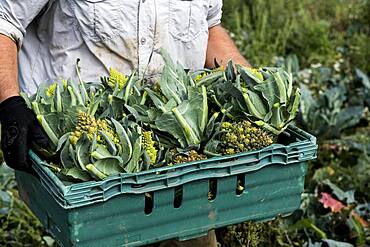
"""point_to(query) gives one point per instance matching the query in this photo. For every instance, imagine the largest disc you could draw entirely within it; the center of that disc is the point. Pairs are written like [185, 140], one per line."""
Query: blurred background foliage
[317, 31]
[326, 45]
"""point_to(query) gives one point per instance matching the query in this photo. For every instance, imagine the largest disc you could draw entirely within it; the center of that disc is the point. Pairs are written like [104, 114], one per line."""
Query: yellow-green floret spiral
[90, 126]
[51, 90]
[116, 77]
[190, 157]
[149, 145]
[242, 136]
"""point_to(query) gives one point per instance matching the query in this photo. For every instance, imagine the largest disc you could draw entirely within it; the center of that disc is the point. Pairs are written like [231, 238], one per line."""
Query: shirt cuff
[9, 30]
[215, 15]
[213, 23]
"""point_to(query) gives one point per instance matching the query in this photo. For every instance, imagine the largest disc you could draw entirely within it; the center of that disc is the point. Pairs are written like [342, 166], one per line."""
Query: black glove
[19, 128]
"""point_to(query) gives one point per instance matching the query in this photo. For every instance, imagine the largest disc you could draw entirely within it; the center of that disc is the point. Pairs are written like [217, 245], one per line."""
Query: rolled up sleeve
[214, 13]
[15, 16]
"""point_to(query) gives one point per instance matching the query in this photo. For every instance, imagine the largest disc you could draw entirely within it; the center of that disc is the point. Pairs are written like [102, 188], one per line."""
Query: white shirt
[120, 34]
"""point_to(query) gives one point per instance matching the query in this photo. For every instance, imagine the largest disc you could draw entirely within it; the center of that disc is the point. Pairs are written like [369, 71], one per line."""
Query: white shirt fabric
[122, 34]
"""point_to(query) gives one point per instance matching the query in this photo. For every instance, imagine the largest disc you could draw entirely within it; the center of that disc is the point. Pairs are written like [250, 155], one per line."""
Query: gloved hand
[19, 128]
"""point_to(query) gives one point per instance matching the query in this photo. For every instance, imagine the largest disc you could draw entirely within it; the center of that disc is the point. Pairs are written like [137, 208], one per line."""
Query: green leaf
[62, 141]
[211, 125]
[282, 90]
[129, 86]
[47, 127]
[230, 71]
[65, 156]
[82, 152]
[174, 80]
[105, 167]
[101, 152]
[72, 96]
[35, 108]
[94, 104]
[74, 174]
[156, 100]
[211, 148]
[124, 141]
[307, 223]
[269, 91]
[210, 78]
[26, 99]
[171, 87]
[58, 99]
[167, 122]
[249, 78]
[189, 132]
[203, 114]
[255, 104]
[133, 165]
[268, 127]
[110, 143]
[289, 79]
[77, 92]
[96, 173]
[170, 105]
[116, 106]
[349, 117]
[276, 120]
[361, 235]
[94, 143]
[109, 166]
[294, 104]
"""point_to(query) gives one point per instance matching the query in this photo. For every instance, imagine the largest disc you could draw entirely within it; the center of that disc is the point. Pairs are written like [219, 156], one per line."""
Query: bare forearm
[8, 68]
[222, 48]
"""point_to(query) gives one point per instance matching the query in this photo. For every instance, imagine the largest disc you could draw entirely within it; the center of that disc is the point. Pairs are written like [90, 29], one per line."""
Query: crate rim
[61, 190]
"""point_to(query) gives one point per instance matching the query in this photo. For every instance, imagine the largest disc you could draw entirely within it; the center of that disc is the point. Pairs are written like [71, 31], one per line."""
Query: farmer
[40, 40]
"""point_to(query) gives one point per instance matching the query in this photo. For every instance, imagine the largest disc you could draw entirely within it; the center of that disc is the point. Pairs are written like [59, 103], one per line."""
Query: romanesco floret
[90, 126]
[149, 145]
[116, 77]
[51, 90]
[242, 137]
[200, 76]
[191, 156]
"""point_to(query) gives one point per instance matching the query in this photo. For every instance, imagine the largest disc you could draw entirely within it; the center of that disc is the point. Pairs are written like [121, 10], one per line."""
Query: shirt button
[143, 40]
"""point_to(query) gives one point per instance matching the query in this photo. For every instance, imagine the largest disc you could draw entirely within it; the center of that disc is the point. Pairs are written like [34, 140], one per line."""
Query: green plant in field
[18, 226]
[338, 105]
[317, 31]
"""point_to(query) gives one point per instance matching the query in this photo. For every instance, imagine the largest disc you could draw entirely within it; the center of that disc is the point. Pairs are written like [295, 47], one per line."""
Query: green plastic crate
[118, 211]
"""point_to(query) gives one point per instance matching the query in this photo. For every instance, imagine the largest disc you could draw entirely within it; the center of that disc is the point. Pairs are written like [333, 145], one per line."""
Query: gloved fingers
[15, 148]
[38, 135]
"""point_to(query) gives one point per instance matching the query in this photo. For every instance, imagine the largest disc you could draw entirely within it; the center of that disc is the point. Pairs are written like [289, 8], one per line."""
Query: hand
[19, 128]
